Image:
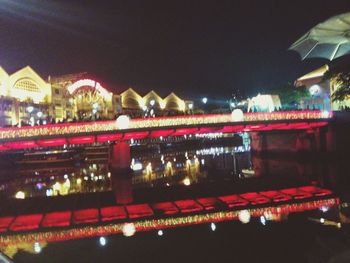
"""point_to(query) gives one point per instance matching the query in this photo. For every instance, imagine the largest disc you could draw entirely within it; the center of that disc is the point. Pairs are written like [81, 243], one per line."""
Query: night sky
[195, 48]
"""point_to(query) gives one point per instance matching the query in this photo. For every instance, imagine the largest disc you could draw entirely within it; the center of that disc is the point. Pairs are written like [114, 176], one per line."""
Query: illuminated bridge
[124, 129]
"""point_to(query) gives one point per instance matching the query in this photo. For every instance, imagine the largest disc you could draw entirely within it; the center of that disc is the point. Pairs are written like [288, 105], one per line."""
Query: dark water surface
[180, 171]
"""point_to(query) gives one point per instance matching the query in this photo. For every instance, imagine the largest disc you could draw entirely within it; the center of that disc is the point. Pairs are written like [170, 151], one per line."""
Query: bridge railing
[65, 129]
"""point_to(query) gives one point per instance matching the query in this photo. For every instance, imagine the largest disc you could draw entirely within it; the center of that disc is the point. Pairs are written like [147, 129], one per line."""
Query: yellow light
[187, 181]
[129, 229]
[20, 195]
[182, 105]
[142, 103]
[123, 122]
[162, 105]
[78, 181]
[237, 115]
[244, 216]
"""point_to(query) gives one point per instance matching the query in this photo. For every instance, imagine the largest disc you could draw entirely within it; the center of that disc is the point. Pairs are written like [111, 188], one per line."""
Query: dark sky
[195, 48]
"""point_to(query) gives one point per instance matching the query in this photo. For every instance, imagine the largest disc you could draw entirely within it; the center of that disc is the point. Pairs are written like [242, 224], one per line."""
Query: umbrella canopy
[329, 39]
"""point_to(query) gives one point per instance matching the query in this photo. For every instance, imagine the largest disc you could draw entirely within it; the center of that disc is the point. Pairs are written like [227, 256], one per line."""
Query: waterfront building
[28, 99]
[321, 91]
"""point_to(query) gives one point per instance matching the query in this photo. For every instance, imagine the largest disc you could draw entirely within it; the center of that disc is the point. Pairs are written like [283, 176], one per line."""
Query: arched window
[27, 85]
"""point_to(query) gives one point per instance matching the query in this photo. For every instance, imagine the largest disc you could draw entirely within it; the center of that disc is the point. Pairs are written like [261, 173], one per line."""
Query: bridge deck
[107, 131]
[97, 221]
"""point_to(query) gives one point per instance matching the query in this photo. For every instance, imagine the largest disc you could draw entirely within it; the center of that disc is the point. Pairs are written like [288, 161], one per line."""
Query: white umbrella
[329, 39]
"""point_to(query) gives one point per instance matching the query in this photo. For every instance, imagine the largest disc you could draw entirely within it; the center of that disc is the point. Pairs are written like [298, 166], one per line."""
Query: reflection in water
[160, 169]
[157, 169]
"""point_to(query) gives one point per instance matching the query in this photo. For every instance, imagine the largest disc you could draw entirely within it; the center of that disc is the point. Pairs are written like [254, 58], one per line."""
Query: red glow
[233, 201]
[296, 193]
[112, 213]
[185, 131]
[255, 198]
[86, 216]
[187, 206]
[316, 191]
[3, 148]
[159, 223]
[26, 222]
[82, 140]
[227, 129]
[207, 130]
[165, 208]
[5, 222]
[276, 196]
[135, 135]
[163, 133]
[209, 203]
[52, 142]
[21, 145]
[57, 219]
[141, 210]
[109, 137]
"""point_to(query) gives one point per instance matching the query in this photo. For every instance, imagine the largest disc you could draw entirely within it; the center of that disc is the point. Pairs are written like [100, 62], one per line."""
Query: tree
[342, 81]
[290, 95]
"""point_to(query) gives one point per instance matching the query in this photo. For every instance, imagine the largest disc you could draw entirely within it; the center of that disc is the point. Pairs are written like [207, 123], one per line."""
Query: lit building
[28, 99]
[24, 97]
[320, 90]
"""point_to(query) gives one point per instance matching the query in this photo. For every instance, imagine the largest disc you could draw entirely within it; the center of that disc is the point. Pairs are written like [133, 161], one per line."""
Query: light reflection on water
[151, 169]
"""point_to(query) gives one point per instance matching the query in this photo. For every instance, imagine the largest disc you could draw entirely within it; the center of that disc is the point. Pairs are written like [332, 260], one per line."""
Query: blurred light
[232, 104]
[237, 115]
[187, 181]
[65, 176]
[202, 161]
[30, 109]
[78, 181]
[129, 229]
[49, 192]
[144, 108]
[263, 220]
[39, 114]
[95, 105]
[37, 247]
[137, 166]
[321, 220]
[123, 122]
[212, 226]
[20, 195]
[160, 232]
[324, 209]
[190, 106]
[244, 216]
[102, 241]
[314, 90]
[325, 114]
[205, 100]
[339, 225]
[152, 102]
[109, 174]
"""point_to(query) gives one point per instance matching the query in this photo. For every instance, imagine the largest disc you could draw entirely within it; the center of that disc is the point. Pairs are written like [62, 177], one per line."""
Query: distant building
[321, 91]
[26, 98]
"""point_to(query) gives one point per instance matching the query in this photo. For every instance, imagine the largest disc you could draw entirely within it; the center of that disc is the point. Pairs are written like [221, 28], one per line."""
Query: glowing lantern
[244, 216]
[187, 181]
[20, 195]
[123, 122]
[129, 229]
[237, 115]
